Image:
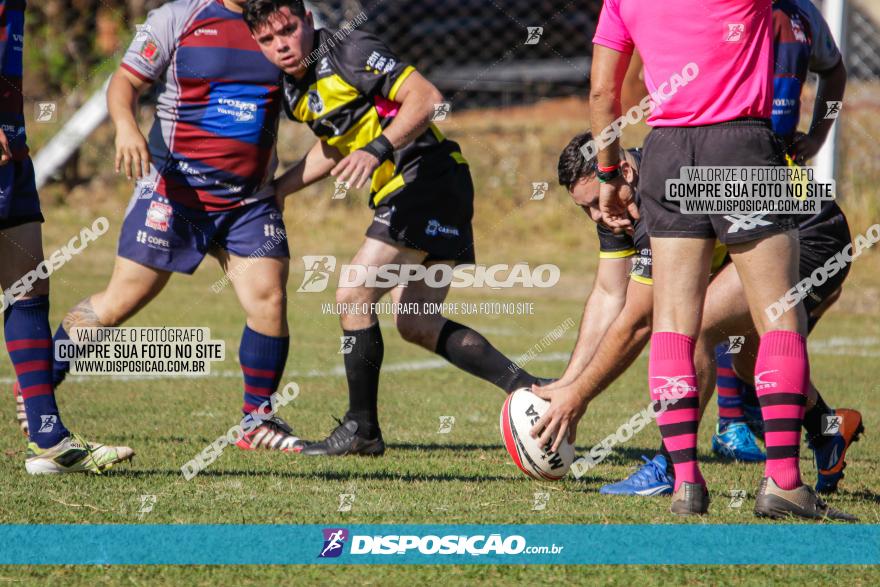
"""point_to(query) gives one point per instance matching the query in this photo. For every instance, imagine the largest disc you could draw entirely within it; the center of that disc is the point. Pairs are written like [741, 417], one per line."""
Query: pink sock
[782, 376]
[673, 382]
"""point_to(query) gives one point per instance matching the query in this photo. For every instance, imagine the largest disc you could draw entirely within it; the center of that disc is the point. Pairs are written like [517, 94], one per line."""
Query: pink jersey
[721, 49]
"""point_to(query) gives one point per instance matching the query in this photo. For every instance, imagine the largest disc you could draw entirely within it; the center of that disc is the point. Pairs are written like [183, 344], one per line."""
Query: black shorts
[745, 142]
[819, 243]
[431, 214]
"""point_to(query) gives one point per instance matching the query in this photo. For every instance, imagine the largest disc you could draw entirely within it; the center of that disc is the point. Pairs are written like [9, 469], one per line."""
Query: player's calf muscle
[82, 315]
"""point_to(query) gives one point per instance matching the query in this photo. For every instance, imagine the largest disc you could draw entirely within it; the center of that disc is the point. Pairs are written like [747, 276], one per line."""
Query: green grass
[426, 477]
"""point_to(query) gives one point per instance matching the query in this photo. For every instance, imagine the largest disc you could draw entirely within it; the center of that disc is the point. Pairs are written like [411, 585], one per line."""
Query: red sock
[673, 382]
[782, 376]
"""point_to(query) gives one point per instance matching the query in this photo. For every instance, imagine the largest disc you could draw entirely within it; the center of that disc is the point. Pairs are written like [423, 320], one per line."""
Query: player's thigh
[768, 268]
[681, 275]
[375, 253]
[21, 249]
[725, 311]
[132, 286]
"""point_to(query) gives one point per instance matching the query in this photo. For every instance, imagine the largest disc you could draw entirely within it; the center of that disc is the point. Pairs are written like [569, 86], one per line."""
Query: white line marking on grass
[423, 365]
[834, 346]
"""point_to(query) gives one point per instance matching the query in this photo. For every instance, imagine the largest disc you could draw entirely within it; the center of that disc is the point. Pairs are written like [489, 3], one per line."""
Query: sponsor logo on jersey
[316, 104]
[159, 216]
[324, 66]
[204, 32]
[379, 64]
[240, 110]
[149, 50]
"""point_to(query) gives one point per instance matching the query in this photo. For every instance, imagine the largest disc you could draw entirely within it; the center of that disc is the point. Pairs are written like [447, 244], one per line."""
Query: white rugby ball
[521, 410]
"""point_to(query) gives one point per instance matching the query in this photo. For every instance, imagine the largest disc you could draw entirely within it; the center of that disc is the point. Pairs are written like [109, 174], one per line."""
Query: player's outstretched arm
[624, 341]
[605, 302]
[314, 167]
[132, 154]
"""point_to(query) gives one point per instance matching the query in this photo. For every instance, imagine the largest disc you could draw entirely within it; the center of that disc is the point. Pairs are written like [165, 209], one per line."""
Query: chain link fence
[498, 52]
[484, 52]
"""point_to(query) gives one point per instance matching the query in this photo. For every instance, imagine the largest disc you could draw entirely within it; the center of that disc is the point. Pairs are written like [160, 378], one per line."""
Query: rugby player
[52, 448]
[720, 118]
[802, 42]
[616, 323]
[205, 186]
[372, 115]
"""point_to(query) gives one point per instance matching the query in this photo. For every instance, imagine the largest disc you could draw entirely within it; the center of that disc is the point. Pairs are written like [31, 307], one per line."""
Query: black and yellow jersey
[638, 244]
[347, 98]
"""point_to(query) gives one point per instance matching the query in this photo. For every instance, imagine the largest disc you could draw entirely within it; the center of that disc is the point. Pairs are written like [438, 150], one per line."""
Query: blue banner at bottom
[819, 544]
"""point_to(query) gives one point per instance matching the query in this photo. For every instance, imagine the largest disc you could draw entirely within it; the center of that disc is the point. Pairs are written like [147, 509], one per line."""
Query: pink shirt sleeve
[611, 32]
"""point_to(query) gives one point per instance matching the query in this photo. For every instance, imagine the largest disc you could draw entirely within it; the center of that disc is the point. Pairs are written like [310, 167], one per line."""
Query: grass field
[426, 477]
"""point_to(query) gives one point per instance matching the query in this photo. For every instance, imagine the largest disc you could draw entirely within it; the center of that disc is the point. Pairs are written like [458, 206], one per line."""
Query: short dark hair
[573, 165]
[257, 12]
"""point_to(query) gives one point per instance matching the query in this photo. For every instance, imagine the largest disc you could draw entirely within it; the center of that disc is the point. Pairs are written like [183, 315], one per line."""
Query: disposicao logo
[334, 540]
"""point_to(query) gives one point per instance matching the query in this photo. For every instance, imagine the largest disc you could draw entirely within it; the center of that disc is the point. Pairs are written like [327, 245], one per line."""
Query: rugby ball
[521, 410]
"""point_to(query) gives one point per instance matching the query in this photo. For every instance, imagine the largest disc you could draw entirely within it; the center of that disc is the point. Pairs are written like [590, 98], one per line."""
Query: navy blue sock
[29, 342]
[730, 407]
[262, 360]
[59, 368]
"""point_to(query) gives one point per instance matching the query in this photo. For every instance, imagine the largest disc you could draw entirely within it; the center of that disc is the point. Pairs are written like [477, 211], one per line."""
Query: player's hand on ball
[616, 208]
[132, 154]
[566, 410]
[356, 169]
[546, 391]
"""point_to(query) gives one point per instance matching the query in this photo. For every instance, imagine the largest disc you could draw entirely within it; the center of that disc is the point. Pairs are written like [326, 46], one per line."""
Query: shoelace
[742, 437]
[339, 434]
[647, 472]
[276, 423]
[89, 450]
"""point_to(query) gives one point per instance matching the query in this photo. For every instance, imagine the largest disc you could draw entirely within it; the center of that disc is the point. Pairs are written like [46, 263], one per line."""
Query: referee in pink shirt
[708, 65]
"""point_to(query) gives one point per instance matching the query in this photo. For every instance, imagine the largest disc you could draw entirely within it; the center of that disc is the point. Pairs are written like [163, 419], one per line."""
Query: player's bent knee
[352, 295]
[412, 329]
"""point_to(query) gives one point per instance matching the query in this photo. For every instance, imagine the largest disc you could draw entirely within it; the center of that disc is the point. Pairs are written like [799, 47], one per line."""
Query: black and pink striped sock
[782, 376]
[673, 383]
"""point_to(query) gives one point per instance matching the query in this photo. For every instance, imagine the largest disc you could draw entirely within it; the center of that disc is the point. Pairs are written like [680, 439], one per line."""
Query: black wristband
[380, 147]
[606, 176]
